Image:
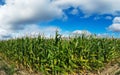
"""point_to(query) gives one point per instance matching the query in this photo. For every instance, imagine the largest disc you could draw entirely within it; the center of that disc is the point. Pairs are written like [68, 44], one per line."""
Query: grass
[59, 55]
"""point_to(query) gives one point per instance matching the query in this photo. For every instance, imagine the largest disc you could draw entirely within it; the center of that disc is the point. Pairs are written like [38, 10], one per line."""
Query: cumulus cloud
[24, 11]
[115, 27]
[75, 12]
[32, 30]
[116, 20]
[103, 17]
[102, 35]
[3, 33]
[17, 14]
[81, 32]
[91, 6]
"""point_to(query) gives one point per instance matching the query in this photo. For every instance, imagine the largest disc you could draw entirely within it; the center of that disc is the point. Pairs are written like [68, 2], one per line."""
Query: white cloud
[115, 27]
[75, 12]
[80, 32]
[116, 20]
[89, 7]
[24, 11]
[16, 14]
[35, 30]
[103, 17]
[3, 33]
[102, 35]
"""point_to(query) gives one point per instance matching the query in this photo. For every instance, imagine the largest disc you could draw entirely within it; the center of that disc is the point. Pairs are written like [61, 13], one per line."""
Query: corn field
[58, 55]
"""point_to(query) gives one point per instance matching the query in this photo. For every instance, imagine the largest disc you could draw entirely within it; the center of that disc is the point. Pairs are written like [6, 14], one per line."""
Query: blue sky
[21, 17]
[77, 23]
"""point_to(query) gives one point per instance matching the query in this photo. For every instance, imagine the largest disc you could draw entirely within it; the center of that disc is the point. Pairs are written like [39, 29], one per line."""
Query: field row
[59, 55]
